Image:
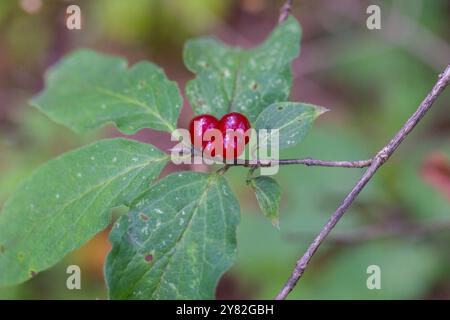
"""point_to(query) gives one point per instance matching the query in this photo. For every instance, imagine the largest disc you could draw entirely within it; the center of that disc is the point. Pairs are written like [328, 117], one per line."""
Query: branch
[190, 151]
[378, 160]
[285, 10]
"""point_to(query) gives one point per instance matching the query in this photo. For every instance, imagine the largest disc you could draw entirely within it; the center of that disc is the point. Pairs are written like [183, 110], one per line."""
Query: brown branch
[285, 10]
[378, 160]
[310, 162]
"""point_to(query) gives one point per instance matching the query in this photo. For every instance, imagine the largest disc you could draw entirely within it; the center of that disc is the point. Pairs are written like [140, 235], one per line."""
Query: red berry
[232, 126]
[209, 150]
[198, 126]
[234, 140]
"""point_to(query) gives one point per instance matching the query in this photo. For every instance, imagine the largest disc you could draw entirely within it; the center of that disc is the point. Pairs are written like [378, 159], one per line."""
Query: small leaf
[87, 90]
[268, 194]
[176, 241]
[67, 200]
[292, 120]
[246, 81]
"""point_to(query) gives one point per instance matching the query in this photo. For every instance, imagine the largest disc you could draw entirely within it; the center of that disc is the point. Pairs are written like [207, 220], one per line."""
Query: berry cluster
[232, 128]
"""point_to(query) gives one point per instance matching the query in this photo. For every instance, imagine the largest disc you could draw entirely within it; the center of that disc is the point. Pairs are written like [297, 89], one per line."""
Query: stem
[223, 169]
[255, 164]
[378, 160]
[285, 10]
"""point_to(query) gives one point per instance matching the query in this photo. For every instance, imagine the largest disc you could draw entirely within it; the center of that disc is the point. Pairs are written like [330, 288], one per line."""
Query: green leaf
[87, 90]
[292, 120]
[176, 241]
[268, 194]
[67, 200]
[246, 81]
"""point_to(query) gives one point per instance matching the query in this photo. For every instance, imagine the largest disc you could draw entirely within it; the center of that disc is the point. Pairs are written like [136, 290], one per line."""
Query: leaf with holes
[246, 81]
[87, 90]
[268, 194]
[291, 120]
[68, 200]
[176, 241]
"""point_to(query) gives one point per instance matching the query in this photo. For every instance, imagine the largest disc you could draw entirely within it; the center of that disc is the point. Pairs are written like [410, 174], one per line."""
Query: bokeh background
[371, 80]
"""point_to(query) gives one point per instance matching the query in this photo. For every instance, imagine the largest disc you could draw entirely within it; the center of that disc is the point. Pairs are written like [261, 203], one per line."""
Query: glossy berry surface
[234, 144]
[198, 126]
[232, 126]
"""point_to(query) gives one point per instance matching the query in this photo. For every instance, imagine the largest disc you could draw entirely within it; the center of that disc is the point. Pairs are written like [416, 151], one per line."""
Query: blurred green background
[371, 80]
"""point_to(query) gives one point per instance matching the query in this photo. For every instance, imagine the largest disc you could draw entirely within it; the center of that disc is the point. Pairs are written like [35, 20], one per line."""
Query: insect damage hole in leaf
[148, 258]
[43, 221]
[190, 235]
[292, 120]
[179, 236]
[245, 81]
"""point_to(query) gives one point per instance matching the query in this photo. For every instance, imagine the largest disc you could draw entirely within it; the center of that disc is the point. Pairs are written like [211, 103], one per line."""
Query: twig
[378, 160]
[285, 10]
[254, 164]
[223, 170]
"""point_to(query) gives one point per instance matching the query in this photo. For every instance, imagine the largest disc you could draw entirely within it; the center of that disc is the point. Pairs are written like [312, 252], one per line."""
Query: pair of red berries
[232, 129]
